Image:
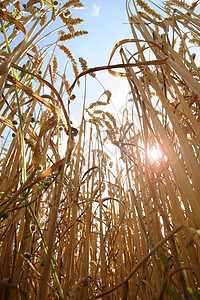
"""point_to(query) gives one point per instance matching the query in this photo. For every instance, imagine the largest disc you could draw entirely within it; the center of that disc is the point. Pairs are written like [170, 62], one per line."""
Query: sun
[154, 153]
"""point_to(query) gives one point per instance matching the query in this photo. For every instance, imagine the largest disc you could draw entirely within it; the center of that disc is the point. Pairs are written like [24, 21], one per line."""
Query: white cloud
[96, 10]
[190, 1]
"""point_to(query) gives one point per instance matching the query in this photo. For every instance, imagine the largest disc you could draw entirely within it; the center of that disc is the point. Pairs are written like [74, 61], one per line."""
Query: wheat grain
[80, 32]
[71, 29]
[69, 36]
[148, 9]
[43, 19]
[78, 5]
[108, 201]
[108, 93]
[70, 3]
[75, 22]
[66, 37]
[55, 68]
[67, 85]
[68, 53]
[76, 72]
[83, 63]
[97, 103]
[84, 66]
[112, 119]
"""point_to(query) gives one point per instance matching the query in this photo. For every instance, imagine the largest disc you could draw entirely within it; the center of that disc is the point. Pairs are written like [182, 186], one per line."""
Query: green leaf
[27, 237]
[7, 85]
[18, 16]
[179, 253]
[16, 75]
[22, 74]
[191, 243]
[14, 12]
[190, 290]
[42, 263]
[5, 215]
[27, 255]
[163, 258]
[58, 113]
[173, 294]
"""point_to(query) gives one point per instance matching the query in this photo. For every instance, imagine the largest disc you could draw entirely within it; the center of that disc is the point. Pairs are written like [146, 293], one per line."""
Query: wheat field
[111, 209]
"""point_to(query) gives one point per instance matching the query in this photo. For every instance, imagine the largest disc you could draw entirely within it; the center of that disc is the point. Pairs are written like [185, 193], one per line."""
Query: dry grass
[88, 224]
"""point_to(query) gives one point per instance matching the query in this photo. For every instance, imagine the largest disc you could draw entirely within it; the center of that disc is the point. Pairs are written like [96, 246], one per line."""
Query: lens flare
[154, 153]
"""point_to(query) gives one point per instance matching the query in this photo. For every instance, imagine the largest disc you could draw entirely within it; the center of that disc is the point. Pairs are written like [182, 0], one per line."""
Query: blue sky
[106, 23]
